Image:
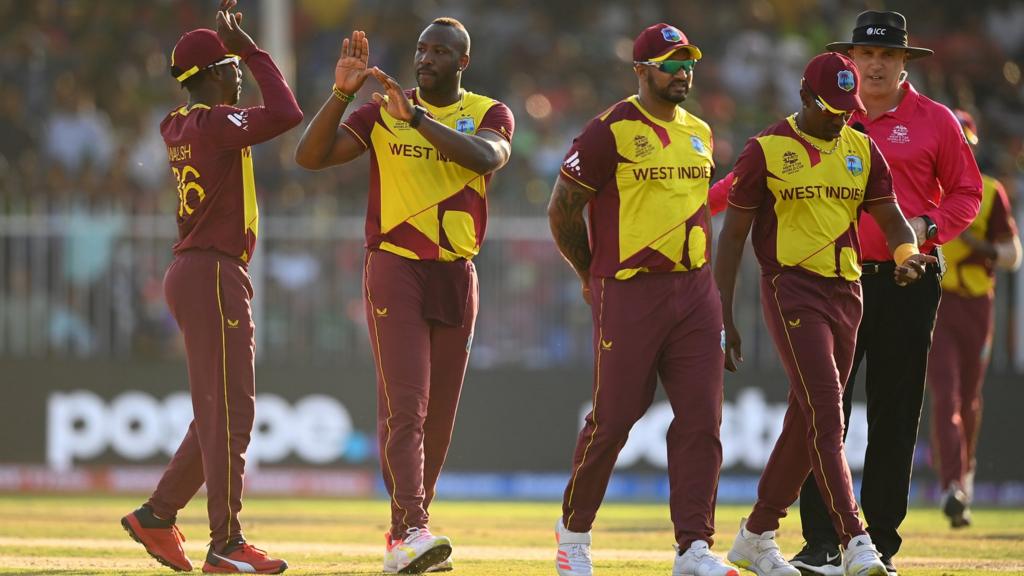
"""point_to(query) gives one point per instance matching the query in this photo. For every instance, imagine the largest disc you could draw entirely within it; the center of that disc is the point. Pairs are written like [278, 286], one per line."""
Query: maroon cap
[835, 80]
[194, 51]
[657, 42]
[967, 124]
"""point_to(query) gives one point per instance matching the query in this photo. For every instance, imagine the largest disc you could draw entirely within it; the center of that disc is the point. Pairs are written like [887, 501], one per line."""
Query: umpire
[938, 188]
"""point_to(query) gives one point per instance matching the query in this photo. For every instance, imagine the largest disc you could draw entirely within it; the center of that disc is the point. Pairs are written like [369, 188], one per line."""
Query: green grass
[82, 535]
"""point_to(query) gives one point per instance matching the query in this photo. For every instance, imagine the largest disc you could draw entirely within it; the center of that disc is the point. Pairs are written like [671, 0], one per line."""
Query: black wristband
[930, 229]
[417, 115]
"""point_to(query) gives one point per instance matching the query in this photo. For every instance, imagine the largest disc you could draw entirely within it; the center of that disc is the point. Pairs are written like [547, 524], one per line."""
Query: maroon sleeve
[718, 194]
[236, 128]
[593, 157]
[879, 186]
[750, 175]
[360, 123]
[498, 119]
[1001, 225]
[959, 177]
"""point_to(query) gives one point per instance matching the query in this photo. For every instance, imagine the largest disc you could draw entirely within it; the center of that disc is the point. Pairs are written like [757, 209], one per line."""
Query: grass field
[82, 535]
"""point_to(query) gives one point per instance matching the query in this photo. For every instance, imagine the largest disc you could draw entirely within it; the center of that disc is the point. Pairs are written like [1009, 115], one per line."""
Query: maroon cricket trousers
[651, 325]
[956, 370]
[813, 321]
[209, 295]
[420, 315]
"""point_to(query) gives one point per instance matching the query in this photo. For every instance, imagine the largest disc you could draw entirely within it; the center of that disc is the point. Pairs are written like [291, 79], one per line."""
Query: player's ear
[805, 96]
[463, 62]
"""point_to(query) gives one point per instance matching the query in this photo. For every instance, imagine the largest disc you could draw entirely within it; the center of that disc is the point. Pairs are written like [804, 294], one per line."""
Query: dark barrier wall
[66, 414]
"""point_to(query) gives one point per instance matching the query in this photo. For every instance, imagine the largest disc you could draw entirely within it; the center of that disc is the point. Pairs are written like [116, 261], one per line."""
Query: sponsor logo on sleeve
[572, 163]
[240, 119]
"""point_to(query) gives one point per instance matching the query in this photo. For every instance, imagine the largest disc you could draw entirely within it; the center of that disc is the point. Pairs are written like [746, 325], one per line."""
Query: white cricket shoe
[759, 553]
[573, 558]
[699, 560]
[416, 553]
[862, 559]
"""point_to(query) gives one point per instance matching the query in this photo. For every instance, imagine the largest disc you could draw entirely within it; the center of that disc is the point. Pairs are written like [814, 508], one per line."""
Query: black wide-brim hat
[885, 29]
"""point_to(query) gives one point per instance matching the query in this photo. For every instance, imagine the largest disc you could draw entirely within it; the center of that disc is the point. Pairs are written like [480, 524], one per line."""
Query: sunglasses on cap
[828, 109]
[229, 59]
[671, 66]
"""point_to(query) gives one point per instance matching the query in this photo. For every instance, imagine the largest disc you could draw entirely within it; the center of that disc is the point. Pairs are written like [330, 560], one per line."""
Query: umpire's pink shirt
[933, 169]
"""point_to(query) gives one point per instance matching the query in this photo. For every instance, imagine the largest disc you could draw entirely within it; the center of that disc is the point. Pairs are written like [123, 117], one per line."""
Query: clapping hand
[394, 101]
[351, 70]
[229, 28]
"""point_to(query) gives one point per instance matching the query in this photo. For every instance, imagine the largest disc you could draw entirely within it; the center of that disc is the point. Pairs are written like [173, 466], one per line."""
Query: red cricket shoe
[242, 558]
[161, 538]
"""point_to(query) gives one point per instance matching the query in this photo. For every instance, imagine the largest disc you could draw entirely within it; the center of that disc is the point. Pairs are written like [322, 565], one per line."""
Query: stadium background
[94, 392]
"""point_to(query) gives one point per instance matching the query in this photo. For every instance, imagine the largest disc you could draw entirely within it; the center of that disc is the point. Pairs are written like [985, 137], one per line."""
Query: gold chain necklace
[806, 138]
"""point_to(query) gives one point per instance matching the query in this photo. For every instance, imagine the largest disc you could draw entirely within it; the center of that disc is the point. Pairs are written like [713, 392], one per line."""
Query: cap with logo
[835, 80]
[658, 42]
[967, 124]
[195, 51]
[883, 29]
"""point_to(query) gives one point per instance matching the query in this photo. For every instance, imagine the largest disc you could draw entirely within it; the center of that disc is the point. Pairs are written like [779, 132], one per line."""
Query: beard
[675, 91]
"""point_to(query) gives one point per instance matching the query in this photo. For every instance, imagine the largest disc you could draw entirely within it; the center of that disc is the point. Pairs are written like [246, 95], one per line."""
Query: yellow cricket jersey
[422, 205]
[968, 273]
[650, 179]
[808, 194]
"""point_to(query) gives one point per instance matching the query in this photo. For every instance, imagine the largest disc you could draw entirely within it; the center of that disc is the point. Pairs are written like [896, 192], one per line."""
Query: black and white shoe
[954, 506]
[823, 559]
[889, 566]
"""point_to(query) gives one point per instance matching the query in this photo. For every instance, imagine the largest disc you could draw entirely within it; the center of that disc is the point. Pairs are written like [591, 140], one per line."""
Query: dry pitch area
[82, 535]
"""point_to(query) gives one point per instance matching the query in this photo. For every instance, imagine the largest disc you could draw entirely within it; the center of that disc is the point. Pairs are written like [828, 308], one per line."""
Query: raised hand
[395, 102]
[350, 72]
[229, 28]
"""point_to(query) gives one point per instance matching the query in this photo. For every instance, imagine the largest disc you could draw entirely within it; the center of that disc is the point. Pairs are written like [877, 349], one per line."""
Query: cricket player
[643, 167]
[938, 188]
[208, 289]
[802, 183]
[433, 151]
[962, 343]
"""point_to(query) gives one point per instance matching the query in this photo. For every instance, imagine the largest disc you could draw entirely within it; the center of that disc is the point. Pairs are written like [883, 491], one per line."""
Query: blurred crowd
[86, 82]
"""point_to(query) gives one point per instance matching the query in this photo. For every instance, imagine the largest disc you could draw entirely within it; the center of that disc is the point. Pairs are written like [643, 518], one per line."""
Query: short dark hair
[452, 22]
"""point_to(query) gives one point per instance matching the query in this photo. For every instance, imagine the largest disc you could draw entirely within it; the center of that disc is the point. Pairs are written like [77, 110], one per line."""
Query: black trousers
[895, 335]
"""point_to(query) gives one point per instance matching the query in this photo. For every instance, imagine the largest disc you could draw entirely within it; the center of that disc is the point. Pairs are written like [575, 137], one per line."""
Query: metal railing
[90, 284]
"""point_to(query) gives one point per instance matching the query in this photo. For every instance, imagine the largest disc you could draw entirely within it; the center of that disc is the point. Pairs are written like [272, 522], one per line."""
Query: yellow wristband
[904, 251]
[346, 98]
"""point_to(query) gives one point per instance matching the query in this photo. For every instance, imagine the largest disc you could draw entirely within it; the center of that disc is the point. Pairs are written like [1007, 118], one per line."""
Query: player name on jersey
[673, 173]
[179, 153]
[819, 191]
